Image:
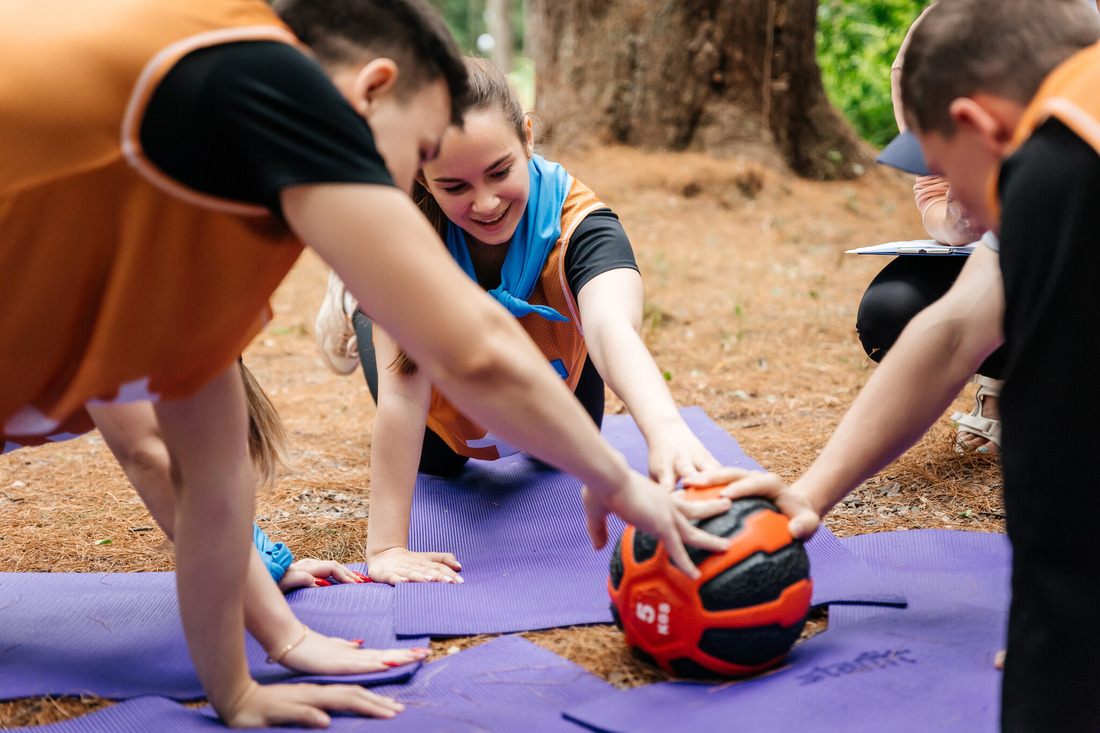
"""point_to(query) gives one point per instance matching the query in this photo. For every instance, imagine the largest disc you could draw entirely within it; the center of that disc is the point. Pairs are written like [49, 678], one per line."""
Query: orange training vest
[1070, 94]
[561, 341]
[116, 282]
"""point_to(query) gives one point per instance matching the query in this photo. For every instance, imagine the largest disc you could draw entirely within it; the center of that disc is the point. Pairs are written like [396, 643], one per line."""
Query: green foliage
[857, 41]
[466, 19]
[522, 77]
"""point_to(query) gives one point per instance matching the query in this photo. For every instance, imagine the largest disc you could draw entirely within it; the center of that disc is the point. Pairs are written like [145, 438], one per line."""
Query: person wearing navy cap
[910, 283]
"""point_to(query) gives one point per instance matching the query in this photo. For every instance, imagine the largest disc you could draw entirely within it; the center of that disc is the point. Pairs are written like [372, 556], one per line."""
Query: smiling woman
[548, 250]
[481, 199]
[486, 201]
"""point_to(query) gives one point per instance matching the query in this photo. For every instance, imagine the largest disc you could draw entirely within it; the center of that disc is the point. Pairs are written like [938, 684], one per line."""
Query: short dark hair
[1002, 47]
[411, 32]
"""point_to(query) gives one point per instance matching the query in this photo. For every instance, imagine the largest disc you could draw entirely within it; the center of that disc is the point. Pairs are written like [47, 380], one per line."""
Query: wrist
[817, 495]
[376, 551]
[230, 701]
[275, 655]
[613, 473]
[655, 426]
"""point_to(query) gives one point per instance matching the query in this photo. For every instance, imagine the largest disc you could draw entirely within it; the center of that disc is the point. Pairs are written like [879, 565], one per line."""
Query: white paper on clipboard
[914, 247]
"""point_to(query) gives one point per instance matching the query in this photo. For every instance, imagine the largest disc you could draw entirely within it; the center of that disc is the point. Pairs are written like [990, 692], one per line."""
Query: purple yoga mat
[507, 684]
[840, 577]
[119, 635]
[518, 529]
[623, 434]
[927, 670]
[934, 567]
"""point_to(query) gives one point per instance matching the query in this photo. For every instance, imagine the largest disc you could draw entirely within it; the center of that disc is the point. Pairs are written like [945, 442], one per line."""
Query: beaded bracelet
[278, 656]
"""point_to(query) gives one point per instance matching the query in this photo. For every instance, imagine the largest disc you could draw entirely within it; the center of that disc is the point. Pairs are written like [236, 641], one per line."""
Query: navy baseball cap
[904, 153]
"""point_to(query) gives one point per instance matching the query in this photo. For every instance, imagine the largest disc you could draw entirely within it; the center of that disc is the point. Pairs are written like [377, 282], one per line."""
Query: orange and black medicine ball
[740, 617]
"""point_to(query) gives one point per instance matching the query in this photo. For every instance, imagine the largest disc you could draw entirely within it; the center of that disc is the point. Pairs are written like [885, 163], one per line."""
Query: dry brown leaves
[750, 312]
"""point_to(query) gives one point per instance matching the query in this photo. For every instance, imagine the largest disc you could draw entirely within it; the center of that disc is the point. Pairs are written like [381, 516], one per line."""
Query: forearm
[629, 370]
[206, 436]
[909, 390]
[267, 615]
[398, 435]
[611, 311]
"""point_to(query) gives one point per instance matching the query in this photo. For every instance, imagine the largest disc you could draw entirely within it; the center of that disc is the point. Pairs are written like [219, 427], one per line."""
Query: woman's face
[480, 178]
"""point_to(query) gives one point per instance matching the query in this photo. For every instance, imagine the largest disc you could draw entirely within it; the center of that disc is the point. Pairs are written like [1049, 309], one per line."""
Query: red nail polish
[357, 641]
[321, 582]
[391, 664]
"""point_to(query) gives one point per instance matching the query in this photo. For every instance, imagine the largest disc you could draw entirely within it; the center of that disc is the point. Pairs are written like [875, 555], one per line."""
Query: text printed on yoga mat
[865, 662]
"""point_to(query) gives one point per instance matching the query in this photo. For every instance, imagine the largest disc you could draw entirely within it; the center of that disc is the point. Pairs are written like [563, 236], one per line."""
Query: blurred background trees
[713, 75]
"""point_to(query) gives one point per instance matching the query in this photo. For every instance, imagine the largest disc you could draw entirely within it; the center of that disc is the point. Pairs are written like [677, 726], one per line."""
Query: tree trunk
[719, 76]
[499, 18]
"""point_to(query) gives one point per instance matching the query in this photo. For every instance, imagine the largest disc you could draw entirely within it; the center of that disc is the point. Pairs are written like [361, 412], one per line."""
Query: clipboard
[915, 247]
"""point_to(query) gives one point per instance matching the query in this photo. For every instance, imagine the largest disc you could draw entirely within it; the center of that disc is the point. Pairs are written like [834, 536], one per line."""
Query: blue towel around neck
[535, 236]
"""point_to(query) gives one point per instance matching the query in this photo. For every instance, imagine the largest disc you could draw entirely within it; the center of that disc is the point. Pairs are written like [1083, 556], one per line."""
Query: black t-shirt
[598, 244]
[245, 120]
[1050, 262]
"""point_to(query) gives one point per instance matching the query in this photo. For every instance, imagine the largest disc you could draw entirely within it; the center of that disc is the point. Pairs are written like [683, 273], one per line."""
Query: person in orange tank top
[165, 181]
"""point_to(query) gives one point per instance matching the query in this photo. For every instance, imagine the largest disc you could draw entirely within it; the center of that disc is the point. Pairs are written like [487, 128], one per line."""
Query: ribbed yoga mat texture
[505, 685]
[925, 667]
[119, 635]
[914, 621]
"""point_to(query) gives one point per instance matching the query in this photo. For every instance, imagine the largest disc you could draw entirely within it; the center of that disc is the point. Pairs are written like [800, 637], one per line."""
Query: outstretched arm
[473, 351]
[133, 433]
[923, 372]
[403, 401]
[206, 439]
[611, 314]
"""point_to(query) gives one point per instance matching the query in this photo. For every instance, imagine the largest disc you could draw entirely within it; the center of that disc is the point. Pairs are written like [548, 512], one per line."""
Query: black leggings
[436, 457]
[903, 288]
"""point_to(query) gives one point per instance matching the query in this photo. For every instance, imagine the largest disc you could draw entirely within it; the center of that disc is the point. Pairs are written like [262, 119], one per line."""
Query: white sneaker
[334, 330]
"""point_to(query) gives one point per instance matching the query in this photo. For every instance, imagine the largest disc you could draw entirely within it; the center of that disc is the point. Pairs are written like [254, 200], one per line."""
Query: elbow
[147, 457]
[964, 342]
